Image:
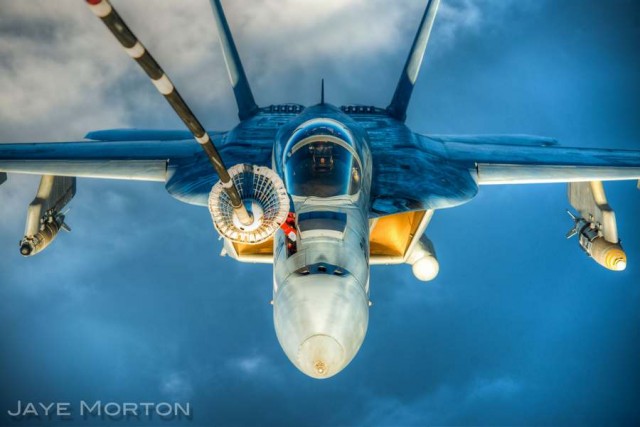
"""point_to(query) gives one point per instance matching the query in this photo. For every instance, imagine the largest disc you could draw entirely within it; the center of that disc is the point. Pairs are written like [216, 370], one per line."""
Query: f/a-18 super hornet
[321, 192]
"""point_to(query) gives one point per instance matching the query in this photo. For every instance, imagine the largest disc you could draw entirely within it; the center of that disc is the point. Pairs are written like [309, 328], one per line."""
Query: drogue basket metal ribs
[264, 195]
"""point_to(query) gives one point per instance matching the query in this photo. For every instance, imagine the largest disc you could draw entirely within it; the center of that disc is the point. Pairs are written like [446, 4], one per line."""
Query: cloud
[447, 405]
[18, 190]
[458, 18]
[62, 73]
[266, 366]
[494, 388]
[53, 78]
[344, 29]
[176, 386]
[249, 365]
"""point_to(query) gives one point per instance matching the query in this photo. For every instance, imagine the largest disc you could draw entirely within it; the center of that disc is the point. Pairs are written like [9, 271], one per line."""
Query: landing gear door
[590, 200]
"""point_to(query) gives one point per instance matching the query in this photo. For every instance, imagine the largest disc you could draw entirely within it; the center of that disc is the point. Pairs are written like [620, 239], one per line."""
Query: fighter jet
[322, 192]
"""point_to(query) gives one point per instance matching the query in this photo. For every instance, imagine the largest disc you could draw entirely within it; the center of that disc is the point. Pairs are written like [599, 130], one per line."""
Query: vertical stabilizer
[244, 98]
[3, 177]
[402, 96]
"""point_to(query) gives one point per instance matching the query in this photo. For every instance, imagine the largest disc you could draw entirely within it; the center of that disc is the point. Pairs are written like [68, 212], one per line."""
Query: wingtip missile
[595, 225]
[608, 254]
[50, 226]
[46, 214]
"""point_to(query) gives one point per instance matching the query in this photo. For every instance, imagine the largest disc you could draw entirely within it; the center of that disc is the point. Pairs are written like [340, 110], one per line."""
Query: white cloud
[53, 78]
[62, 74]
[456, 17]
[177, 386]
[251, 364]
[14, 193]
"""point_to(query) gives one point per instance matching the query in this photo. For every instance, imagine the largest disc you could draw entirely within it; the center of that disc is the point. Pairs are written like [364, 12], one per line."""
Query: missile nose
[26, 249]
[616, 260]
[621, 265]
[321, 356]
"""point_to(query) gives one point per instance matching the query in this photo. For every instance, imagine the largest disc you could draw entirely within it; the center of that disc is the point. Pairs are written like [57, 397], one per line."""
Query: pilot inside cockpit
[319, 163]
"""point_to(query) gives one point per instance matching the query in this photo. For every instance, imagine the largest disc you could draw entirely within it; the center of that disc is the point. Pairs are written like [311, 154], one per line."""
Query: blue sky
[136, 305]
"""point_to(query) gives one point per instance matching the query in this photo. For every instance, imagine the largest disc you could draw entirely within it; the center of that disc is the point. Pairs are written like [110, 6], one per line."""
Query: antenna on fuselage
[103, 10]
[322, 92]
[400, 102]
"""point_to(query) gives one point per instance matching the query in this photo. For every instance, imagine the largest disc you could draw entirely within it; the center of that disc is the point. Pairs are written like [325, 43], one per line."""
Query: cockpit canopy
[320, 160]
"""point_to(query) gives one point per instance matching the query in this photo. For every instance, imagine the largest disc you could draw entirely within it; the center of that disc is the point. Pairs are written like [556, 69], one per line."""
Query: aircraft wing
[134, 154]
[532, 160]
[136, 160]
[169, 156]
[437, 172]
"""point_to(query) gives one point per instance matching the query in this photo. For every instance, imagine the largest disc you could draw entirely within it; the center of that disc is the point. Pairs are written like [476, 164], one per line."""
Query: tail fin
[400, 102]
[244, 98]
[3, 177]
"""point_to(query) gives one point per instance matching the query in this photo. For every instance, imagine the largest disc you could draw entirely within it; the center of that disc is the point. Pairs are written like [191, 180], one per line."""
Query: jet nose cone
[321, 321]
[321, 356]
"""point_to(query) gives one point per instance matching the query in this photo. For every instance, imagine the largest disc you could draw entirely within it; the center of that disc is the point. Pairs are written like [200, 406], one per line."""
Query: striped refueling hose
[105, 11]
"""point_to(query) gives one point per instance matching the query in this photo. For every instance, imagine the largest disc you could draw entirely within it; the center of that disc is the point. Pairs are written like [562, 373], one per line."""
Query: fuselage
[324, 156]
[321, 273]
[409, 172]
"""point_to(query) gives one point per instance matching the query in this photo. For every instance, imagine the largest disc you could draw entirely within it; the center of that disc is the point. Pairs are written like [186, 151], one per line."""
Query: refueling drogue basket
[264, 195]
